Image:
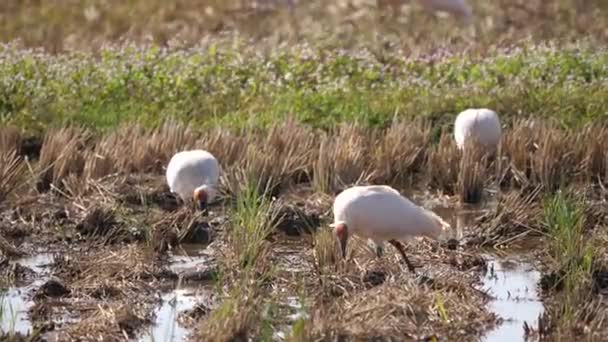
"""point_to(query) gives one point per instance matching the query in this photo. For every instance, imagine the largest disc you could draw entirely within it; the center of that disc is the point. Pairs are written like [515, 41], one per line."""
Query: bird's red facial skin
[341, 231]
[200, 197]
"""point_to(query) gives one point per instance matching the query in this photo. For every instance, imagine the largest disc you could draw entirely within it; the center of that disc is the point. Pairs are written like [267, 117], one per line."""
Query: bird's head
[341, 232]
[202, 196]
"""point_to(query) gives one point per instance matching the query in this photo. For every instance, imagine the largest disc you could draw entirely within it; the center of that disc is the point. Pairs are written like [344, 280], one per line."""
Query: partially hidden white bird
[481, 124]
[193, 175]
[379, 213]
[457, 8]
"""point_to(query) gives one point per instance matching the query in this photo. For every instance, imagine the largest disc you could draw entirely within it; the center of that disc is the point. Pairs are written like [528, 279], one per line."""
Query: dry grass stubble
[290, 154]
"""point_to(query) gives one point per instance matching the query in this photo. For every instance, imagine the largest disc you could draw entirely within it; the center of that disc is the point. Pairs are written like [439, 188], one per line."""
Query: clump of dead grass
[10, 138]
[92, 267]
[553, 162]
[326, 251]
[399, 308]
[12, 173]
[472, 172]
[515, 219]
[295, 220]
[518, 143]
[131, 148]
[276, 158]
[7, 248]
[124, 277]
[401, 152]
[61, 155]
[288, 153]
[108, 322]
[106, 224]
[182, 226]
[444, 164]
[342, 159]
[595, 156]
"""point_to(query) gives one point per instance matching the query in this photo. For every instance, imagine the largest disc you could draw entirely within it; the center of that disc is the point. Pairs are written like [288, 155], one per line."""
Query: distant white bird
[457, 8]
[482, 124]
[193, 175]
[379, 213]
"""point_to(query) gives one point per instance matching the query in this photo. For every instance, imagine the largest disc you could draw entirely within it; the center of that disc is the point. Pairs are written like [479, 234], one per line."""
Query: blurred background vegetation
[105, 62]
[59, 25]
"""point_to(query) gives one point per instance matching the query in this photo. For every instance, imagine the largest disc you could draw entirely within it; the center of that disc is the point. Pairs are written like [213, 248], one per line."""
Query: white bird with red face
[380, 213]
[481, 124]
[193, 175]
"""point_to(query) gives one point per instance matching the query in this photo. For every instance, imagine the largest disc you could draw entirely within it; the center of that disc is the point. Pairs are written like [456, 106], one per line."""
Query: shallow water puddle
[295, 312]
[512, 281]
[166, 326]
[188, 259]
[513, 284]
[15, 302]
[14, 307]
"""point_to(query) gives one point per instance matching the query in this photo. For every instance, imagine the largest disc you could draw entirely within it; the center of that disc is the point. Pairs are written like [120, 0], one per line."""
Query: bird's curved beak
[202, 205]
[343, 242]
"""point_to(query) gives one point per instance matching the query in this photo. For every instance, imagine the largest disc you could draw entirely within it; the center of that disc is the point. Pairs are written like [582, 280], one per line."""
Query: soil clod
[206, 274]
[98, 222]
[53, 287]
[600, 280]
[295, 220]
[374, 278]
[129, 322]
[552, 282]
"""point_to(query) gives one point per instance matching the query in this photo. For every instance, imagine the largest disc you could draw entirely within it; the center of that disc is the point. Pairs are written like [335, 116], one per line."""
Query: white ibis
[482, 124]
[457, 8]
[193, 175]
[380, 213]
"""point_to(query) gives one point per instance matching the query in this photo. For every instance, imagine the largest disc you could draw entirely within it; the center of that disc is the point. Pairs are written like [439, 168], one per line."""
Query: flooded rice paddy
[510, 280]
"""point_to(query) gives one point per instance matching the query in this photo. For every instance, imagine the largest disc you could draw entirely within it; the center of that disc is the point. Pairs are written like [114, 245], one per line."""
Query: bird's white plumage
[483, 124]
[188, 170]
[380, 213]
[458, 8]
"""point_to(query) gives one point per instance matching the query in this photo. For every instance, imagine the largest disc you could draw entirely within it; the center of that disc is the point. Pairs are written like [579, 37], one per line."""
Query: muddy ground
[93, 255]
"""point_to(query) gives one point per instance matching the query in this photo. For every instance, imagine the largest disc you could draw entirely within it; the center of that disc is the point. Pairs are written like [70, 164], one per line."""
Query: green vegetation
[246, 307]
[251, 225]
[229, 87]
[571, 250]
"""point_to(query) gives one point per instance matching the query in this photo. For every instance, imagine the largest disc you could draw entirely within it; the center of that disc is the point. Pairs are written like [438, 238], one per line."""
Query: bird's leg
[378, 251]
[379, 246]
[401, 250]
